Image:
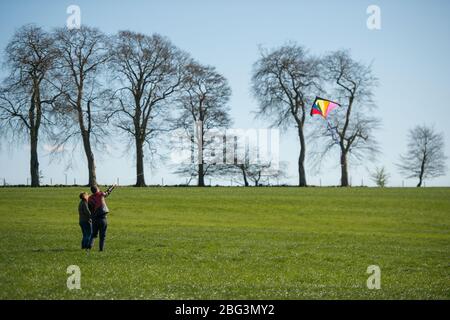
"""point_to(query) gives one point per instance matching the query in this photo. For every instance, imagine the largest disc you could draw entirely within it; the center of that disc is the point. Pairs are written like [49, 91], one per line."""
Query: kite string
[333, 133]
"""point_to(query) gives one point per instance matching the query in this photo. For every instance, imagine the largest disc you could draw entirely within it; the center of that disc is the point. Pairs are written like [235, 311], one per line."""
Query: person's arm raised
[109, 190]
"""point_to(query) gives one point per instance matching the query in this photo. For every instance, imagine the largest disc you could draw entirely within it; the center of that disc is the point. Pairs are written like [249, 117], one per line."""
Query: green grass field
[230, 243]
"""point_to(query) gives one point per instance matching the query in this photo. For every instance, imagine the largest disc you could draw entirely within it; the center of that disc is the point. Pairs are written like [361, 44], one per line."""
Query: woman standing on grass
[85, 220]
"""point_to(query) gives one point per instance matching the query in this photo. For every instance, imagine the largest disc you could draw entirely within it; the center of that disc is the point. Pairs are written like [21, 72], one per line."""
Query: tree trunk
[90, 159]
[345, 148]
[34, 114]
[344, 170]
[201, 176]
[244, 175]
[34, 163]
[420, 182]
[200, 145]
[257, 179]
[420, 179]
[140, 178]
[301, 159]
[422, 170]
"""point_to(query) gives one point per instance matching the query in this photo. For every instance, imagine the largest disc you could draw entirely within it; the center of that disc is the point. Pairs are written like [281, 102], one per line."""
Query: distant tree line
[71, 86]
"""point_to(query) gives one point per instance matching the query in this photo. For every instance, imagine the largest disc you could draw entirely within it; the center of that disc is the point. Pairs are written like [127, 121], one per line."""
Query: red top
[97, 200]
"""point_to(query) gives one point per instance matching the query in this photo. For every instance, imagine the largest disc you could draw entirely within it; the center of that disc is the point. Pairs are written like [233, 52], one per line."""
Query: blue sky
[409, 55]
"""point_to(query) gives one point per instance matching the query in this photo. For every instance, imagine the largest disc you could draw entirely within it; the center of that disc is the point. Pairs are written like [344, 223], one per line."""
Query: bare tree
[284, 82]
[203, 103]
[252, 169]
[247, 172]
[149, 70]
[25, 96]
[351, 126]
[254, 172]
[82, 56]
[425, 156]
[380, 176]
[257, 171]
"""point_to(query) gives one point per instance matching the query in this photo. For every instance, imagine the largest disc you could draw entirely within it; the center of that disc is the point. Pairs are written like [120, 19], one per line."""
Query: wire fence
[233, 182]
[65, 180]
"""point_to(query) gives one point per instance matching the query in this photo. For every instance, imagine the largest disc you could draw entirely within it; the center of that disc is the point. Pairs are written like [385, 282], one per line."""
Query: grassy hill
[238, 243]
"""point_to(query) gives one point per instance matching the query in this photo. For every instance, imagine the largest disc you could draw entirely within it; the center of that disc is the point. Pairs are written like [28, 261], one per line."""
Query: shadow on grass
[47, 250]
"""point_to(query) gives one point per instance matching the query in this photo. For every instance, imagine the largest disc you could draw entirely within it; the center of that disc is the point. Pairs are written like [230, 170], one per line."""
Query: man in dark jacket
[85, 220]
[99, 209]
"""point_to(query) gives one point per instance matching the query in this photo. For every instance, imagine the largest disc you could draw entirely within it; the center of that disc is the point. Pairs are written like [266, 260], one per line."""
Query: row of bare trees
[287, 80]
[71, 86]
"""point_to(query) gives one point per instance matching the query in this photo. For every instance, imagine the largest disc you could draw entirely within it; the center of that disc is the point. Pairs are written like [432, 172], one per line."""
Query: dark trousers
[99, 225]
[86, 230]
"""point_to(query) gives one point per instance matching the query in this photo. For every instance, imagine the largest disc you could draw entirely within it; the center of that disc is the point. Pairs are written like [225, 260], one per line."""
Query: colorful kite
[323, 107]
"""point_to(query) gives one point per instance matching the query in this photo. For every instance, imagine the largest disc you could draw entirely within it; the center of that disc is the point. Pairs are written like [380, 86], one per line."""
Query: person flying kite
[323, 107]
